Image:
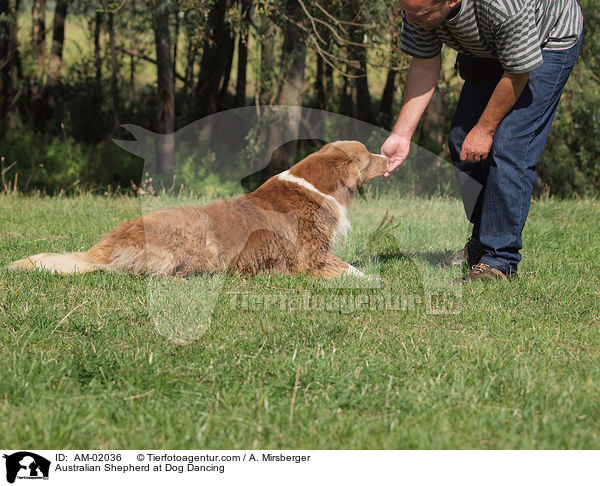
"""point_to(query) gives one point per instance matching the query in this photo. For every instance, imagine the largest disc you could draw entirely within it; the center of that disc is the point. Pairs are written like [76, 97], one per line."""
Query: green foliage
[40, 162]
[200, 177]
[54, 163]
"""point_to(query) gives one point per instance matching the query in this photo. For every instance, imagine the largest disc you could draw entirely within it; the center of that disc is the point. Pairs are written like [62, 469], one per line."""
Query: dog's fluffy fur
[287, 225]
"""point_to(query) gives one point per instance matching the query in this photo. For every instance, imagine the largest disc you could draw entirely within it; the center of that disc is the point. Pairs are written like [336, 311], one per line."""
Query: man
[515, 57]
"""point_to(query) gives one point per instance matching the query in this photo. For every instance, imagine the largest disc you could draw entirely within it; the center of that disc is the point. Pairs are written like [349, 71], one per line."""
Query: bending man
[515, 57]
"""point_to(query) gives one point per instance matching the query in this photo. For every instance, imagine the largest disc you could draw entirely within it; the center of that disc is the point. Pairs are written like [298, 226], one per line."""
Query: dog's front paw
[355, 272]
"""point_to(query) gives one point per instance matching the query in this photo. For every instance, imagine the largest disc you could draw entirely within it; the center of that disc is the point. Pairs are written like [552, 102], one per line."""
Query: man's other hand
[477, 145]
[396, 147]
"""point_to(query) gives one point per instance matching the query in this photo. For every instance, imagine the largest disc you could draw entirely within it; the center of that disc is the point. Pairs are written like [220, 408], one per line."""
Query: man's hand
[396, 147]
[477, 145]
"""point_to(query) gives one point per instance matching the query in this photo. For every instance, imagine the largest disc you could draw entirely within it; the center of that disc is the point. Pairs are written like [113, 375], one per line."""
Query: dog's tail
[67, 263]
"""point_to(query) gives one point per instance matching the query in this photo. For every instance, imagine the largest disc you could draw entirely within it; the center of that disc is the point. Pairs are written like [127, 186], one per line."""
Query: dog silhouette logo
[26, 465]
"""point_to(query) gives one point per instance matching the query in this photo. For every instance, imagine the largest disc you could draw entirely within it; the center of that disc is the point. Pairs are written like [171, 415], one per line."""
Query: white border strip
[276, 467]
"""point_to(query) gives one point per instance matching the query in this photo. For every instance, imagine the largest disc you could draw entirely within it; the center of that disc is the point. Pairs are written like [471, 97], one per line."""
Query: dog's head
[362, 166]
[341, 165]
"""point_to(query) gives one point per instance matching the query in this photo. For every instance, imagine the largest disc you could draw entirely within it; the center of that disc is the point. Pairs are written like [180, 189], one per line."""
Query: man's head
[427, 14]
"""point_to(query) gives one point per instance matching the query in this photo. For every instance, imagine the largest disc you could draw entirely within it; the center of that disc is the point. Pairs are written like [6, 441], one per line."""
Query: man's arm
[421, 80]
[478, 142]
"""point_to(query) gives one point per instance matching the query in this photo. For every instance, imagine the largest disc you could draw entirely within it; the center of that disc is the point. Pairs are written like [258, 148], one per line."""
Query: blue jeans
[499, 211]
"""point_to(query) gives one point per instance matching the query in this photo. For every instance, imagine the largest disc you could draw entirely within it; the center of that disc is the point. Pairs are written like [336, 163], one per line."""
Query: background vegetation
[72, 71]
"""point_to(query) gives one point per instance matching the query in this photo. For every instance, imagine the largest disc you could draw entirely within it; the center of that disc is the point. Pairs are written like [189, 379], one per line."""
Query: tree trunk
[166, 96]
[319, 83]
[38, 32]
[329, 85]
[97, 99]
[114, 71]
[189, 91]
[361, 97]
[240, 87]
[265, 83]
[131, 80]
[387, 101]
[290, 93]
[324, 78]
[216, 62]
[175, 44]
[47, 105]
[9, 64]
[385, 114]
[58, 38]
[293, 62]
[224, 82]
[346, 94]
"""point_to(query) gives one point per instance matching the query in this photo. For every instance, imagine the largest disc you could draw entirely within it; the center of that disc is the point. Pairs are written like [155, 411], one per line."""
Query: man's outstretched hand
[396, 147]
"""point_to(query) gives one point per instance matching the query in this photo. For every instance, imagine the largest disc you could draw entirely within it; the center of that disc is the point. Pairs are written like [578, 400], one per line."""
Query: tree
[361, 96]
[47, 104]
[58, 38]
[242, 61]
[396, 62]
[38, 32]
[9, 64]
[215, 66]
[166, 93]
[97, 97]
[114, 71]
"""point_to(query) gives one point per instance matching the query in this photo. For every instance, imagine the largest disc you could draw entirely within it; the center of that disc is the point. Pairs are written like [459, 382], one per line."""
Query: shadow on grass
[435, 259]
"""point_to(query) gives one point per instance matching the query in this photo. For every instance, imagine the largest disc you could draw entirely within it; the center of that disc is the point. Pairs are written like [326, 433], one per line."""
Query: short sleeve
[418, 42]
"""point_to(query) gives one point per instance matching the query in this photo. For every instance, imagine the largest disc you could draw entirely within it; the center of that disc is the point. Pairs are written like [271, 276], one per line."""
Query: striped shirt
[512, 31]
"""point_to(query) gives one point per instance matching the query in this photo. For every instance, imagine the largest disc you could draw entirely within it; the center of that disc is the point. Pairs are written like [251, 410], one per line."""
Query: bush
[50, 164]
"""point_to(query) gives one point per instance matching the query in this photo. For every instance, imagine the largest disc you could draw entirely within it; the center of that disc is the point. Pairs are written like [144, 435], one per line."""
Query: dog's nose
[387, 160]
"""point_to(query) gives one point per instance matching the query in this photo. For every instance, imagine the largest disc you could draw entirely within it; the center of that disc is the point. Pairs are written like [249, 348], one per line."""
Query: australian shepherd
[288, 225]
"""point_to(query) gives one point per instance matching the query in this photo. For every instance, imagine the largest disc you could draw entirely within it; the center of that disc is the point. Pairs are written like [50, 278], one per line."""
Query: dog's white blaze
[343, 225]
[286, 176]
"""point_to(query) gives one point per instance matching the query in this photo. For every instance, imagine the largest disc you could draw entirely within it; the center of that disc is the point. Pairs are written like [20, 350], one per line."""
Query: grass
[85, 366]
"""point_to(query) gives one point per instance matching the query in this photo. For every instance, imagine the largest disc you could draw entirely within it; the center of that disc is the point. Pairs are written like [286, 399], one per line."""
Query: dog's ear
[348, 173]
[327, 149]
[355, 172]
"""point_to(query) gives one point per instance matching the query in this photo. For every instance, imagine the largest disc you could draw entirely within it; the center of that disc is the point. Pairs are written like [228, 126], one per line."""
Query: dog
[288, 226]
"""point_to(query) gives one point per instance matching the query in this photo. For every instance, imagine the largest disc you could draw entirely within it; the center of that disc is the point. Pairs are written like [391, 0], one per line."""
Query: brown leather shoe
[470, 254]
[483, 271]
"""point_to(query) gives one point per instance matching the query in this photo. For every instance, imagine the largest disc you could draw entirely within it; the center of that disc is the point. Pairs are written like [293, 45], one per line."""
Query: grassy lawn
[86, 364]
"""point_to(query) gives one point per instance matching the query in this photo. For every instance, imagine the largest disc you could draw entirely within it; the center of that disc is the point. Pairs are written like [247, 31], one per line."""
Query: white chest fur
[343, 225]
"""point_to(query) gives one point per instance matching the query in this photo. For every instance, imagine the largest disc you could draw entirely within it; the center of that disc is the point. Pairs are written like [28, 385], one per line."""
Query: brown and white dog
[287, 225]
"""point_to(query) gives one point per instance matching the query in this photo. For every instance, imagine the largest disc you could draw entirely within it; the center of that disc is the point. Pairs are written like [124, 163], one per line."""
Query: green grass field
[86, 364]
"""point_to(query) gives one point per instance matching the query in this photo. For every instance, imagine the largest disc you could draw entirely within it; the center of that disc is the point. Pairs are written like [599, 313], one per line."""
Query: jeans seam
[562, 68]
